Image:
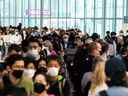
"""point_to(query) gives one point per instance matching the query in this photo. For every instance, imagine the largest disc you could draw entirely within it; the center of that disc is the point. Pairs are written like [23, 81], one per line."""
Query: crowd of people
[57, 62]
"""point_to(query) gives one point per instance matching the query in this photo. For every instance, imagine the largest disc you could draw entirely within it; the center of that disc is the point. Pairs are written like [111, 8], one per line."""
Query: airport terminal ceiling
[88, 15]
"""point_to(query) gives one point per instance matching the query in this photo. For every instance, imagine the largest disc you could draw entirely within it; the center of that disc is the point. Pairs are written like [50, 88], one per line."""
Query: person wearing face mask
[35, 32]
[41, 63]
[65, 38]
[35, 47]
[29, 68]
[41, 84]
[14, 77]
[112, 50]
[58, 84]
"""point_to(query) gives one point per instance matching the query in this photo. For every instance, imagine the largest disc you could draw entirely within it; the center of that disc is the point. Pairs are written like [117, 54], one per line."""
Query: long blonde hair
[98, 74]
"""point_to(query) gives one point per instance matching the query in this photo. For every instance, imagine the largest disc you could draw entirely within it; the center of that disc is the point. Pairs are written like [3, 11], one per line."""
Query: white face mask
[66, 40]
[47, 33]
[53, 71]
[29, 72]
[34, 52]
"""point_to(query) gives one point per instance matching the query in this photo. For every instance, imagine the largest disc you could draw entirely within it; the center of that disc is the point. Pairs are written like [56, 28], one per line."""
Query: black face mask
[17, 73]
[39, 88]
[43, 69]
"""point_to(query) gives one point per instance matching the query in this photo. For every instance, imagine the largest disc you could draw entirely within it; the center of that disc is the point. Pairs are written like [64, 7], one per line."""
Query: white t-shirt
[98, 89]
[14, 39]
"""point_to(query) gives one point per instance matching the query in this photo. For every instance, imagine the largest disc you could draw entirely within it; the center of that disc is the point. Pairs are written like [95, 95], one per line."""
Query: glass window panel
[46, 22]
[89, 26]
[119, 24]
[99, 27]
[18, 20]
[110, 8]
[25, 10]
[71, 8]
[89, 8]
[54, 8]
[71, 13]
[25, 22]
[38, 5]
[1, 19]
[32, 9]
[1, 8]
[38, 22]
[70, 23]
[108, 25]
[68, 8]
[6, 22]
[81, 24]
[18, 8]
[99, 8]
[46, 8]
[6, 8]
[120, 8]
[32, 22]
[54, 23]
[1, 22]
[124, 7]
[11, 21]
[12, 8]
[62, 8]
[80, 8]
[62, 23]
[37, 8]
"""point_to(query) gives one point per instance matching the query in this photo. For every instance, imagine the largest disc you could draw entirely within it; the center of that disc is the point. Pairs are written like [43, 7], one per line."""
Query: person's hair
[95, 36]
[25, 46]
[31, 40]
[45, 28]
[118, 79]
[37, 62]
[41, 72]
[28, 60]
[115, 70]
[92, 46]
[104, 46]
[107, 32]
[124, 50]
[121, 31]
[98, 77]
[15, 47]
[113, 33]
[9, 61]
[49, 63]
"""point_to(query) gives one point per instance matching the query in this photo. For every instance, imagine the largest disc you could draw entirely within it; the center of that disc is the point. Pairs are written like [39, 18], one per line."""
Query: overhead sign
[37, 12]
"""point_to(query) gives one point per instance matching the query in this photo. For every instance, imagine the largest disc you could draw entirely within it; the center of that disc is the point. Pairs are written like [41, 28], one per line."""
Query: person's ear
[8, 68]
[126, 76]
[39, 49]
